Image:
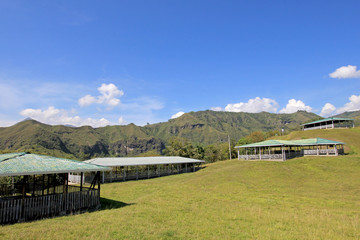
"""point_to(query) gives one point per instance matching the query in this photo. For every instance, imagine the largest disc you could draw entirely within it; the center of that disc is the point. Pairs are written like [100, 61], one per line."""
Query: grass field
[303, 198]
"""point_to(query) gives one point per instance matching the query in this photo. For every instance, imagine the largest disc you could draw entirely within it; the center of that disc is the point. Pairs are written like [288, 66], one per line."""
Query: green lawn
[304, 198]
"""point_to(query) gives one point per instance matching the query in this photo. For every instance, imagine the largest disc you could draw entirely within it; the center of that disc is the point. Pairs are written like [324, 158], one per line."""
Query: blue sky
[119, 62]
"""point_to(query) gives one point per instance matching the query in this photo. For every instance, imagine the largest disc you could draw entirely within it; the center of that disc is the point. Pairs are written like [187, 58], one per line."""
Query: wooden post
[67, 182]
[23, 196]
[81, 181]
[317, 150]
[159, 169]
[98, 180]
[43, 185]
[48, 185]
[54, 183]
[336, 152]
[327, 149]
[185, 167]
[103, 177]
[260, 153]
[238, 152]
[33, 191]
[148, 173]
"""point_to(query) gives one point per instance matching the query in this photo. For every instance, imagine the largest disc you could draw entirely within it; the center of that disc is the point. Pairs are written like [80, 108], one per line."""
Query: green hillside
[303, 198]
[204, 127]
[81, 143]
[209, 127]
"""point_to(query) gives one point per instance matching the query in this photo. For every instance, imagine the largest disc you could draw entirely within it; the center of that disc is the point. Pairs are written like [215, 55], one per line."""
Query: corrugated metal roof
[301, 142]
[329, 119]
[141, 161]
[15, 164]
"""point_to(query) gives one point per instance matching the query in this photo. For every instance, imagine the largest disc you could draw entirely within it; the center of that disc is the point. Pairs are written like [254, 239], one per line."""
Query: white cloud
[109, 94]
[254, 105]
[176, 115]
[348, 71]
[121, 121]
[87, 100]
[294, 106]
[56, 116]
[327, 110]
[353, 105]
[217, 109]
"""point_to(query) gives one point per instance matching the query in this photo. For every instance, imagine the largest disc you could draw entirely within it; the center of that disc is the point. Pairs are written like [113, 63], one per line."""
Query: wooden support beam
[54, 183]
[48, 184]
[81, 181]
[43, 185]
[98, 173]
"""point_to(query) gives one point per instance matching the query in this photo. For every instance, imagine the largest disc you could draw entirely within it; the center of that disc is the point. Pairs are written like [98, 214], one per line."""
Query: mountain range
[202, 127]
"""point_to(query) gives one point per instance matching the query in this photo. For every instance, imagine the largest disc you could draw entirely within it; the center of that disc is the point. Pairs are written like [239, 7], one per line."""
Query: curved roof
[142, 161]
[16, 164]
[329, 119]
[301, 142]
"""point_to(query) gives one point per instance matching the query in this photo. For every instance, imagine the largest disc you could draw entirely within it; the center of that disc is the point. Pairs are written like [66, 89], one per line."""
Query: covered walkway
[36, 186]
[134, 168]
[329, 123]
[281, 150]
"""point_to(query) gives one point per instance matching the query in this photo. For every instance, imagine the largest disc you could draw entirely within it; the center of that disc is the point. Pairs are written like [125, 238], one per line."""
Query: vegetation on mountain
[200, 129]
[354, 115]
[302, 198]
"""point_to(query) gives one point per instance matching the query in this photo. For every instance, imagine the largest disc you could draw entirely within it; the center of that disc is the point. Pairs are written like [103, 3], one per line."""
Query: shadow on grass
[112, 204]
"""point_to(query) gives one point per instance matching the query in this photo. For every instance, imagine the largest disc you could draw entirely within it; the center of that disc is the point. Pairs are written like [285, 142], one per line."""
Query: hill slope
[304, 198]
[205, 127]
[208, 127]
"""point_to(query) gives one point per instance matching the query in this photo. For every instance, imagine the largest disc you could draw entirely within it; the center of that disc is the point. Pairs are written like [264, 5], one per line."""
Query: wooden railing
[31, 208]
[262, 157]
[289, 155]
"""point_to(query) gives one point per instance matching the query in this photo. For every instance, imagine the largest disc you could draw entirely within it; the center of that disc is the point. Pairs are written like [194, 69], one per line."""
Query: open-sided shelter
[133, 168]
[36, 186]
[284, 149]
[329, 123]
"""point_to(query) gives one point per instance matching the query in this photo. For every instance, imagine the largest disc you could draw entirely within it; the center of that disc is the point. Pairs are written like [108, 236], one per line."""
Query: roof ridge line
[18, 155]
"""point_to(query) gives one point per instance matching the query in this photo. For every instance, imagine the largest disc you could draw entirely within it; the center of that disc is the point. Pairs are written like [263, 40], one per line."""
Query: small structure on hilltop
[36, 186]
[329, 123]
[134, 168]
[284, 149]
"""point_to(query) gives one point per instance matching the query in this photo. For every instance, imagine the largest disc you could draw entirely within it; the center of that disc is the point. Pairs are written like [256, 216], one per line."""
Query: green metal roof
[301, 142]
[15, 164]
[329, 119]
[142, 161]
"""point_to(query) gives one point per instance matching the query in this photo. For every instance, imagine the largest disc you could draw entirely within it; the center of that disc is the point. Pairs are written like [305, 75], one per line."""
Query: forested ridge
[205, 131]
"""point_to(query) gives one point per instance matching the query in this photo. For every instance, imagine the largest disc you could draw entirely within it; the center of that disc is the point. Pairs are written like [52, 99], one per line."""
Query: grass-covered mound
[304, 198]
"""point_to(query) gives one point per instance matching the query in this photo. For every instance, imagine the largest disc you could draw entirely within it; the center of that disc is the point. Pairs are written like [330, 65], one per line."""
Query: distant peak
[28, 119]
